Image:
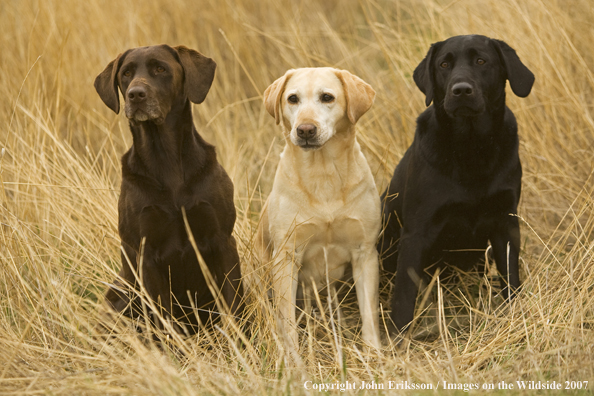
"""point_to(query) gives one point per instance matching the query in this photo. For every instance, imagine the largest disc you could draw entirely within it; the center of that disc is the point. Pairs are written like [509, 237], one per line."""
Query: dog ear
[199, 73]
[106, 83]
[273, 95]
[423, 74]
[359, 95]
[520, 77]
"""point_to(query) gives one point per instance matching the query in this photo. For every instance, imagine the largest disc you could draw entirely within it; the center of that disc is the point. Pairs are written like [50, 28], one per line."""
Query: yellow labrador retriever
[324, 210]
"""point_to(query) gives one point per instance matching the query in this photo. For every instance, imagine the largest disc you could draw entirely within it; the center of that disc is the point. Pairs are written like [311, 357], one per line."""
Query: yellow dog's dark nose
[307, 131]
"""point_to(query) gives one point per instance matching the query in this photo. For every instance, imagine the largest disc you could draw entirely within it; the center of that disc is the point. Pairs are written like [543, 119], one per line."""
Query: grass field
[60, 178]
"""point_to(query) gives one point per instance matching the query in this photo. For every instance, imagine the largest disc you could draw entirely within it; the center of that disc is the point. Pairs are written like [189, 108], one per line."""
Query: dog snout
[307, 131]
[462, 89]
[137, 93]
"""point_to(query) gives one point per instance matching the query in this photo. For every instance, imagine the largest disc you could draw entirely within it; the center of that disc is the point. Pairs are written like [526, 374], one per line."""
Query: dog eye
[327, 98]
[293, 99]
[160, 69]
[127, 73]
[480, 61]
[444, 65]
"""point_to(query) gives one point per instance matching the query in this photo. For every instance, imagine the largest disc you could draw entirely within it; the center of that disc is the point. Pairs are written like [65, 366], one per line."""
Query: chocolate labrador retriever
[458, 185]
[170, 170]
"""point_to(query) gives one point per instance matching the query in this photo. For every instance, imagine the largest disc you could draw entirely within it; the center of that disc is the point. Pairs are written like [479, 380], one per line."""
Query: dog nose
[137, 93]
[462, 89]
[306, 131]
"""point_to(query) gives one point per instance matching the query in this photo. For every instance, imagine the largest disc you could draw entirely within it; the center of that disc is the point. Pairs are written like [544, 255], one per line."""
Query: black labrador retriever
[170, 170]
[458, 185]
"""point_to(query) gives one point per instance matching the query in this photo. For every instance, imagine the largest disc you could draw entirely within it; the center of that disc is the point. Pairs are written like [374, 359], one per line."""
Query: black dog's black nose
[306, 131]
[137, 93]
[462, 89]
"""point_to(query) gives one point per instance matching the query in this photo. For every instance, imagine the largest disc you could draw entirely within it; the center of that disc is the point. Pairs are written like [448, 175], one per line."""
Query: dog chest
[468, 224]
[329, 246]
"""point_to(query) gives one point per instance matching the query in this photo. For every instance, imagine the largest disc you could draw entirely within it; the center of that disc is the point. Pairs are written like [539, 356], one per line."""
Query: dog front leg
[285, 283]
[505, 241]
[366, 277]
[157, 286]
[121, 298]
[412, 259]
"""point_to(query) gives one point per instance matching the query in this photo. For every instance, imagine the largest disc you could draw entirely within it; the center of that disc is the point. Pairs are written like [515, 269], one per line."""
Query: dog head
[315, 103]
[154, 79]
[466, 73]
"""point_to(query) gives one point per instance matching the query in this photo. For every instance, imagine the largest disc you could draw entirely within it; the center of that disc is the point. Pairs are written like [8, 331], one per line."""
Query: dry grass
[60, 179]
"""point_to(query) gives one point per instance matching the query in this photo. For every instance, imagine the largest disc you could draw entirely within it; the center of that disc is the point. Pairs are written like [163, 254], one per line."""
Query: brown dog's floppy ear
[106, 83]
[423, 74]
[199, 73]
[359, 95]
[273, 95]
[520, 77]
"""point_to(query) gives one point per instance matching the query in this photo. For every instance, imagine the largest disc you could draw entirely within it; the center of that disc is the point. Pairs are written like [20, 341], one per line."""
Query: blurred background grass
[60, 178]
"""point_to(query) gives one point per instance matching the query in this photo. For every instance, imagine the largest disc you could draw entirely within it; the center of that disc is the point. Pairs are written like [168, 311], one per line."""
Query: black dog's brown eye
[160, 69]
[444, 65]
[327, 98]
[293, 99]
[127, 73]
[480, 61]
